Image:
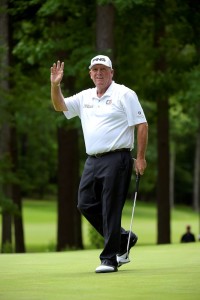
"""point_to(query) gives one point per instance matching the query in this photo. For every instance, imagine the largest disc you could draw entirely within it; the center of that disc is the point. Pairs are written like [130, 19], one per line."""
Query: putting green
[155, 272]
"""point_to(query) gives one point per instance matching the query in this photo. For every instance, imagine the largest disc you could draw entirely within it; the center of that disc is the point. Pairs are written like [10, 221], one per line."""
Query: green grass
[40, 218]
[155, 272]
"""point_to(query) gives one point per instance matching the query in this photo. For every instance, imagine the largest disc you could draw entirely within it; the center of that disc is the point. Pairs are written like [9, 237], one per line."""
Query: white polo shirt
[107, 122]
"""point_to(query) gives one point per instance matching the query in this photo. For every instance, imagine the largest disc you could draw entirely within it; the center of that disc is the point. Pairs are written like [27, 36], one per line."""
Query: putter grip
[137, 182]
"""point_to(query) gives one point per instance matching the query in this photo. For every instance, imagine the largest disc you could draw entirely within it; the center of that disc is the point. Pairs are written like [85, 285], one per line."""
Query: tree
[163, 204]
[11, 206]
[105, 29]
[151, 62]
[194, 19]
[5, 133]
[58, 41]
[69, 221]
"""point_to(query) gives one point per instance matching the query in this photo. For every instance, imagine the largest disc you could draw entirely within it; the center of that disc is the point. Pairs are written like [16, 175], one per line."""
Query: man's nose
[99, 71]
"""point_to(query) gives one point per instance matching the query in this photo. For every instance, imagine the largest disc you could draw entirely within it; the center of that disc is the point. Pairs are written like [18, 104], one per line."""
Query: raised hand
[57, 73]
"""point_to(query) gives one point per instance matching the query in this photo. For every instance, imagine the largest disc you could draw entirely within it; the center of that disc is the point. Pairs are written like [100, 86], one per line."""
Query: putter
[134, 202]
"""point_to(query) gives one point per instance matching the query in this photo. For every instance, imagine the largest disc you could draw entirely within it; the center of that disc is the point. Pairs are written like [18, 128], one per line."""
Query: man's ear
[90, 74]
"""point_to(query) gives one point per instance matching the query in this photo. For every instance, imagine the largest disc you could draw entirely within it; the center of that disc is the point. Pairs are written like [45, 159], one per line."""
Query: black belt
[113, 151]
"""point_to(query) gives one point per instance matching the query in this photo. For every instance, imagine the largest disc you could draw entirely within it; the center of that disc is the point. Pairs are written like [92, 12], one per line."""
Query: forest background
[155, 49]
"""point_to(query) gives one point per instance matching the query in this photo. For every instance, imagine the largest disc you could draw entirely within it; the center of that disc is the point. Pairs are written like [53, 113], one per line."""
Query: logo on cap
[101, 59]
[98, 59]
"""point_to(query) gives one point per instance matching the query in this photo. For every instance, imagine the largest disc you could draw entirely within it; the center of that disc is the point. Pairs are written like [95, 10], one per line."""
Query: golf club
[134, 202]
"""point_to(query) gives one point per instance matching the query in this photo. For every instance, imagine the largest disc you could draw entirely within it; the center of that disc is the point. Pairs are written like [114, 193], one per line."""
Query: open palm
[57, 72]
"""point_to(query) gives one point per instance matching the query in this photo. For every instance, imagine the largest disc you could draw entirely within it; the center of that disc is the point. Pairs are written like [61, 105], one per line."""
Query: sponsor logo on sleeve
[140, 114]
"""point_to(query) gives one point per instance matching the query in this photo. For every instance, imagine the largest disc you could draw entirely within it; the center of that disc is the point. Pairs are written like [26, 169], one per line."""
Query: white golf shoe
[122, 259]
[123, 256]
[105, 268]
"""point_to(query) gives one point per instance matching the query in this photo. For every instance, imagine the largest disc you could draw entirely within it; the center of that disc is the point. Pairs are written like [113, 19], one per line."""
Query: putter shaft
[134, 202]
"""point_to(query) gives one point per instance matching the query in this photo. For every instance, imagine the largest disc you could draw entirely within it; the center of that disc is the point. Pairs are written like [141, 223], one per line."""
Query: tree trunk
[172, 173]
[196, 182]
[69, 221]
[5, 192]
[163, 202]
[8, 145]
[105, 29]
[16, 196]
[5, 188]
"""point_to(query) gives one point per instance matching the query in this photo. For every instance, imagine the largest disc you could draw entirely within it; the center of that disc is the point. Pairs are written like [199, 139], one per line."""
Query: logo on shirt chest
[100, 104]
[109, 102]
[88, 106]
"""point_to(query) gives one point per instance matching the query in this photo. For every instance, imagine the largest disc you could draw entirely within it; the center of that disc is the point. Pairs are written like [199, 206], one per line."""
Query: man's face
[101, 76]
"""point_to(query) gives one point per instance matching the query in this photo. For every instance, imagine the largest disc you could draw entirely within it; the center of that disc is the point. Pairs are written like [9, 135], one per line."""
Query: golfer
[109, 114]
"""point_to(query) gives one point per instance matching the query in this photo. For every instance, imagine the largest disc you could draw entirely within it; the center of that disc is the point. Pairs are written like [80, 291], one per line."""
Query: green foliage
[36, 48]
[96, 240]
[36, 132]
[54, 33]
[6, 178]
[122, 5]
[44, 31]
[7, 206]
[7, 248]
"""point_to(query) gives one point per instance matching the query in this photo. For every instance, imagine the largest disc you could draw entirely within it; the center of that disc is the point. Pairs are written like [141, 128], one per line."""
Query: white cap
[101, 60]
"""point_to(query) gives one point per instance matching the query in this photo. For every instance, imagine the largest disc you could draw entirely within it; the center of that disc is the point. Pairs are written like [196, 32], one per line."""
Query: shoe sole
[102, 269]
[98, 272]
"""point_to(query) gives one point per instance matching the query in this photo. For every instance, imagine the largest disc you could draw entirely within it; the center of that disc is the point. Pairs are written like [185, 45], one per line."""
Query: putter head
[123, 259]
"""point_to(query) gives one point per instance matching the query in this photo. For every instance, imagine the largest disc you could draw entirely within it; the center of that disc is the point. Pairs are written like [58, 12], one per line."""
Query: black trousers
[102, 193]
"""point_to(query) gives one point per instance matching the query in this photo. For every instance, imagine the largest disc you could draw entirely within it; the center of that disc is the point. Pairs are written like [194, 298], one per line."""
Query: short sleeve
[133, 108]
[73, 106]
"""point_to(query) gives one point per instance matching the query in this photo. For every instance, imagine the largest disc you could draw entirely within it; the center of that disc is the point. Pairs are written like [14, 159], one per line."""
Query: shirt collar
[107, 93]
